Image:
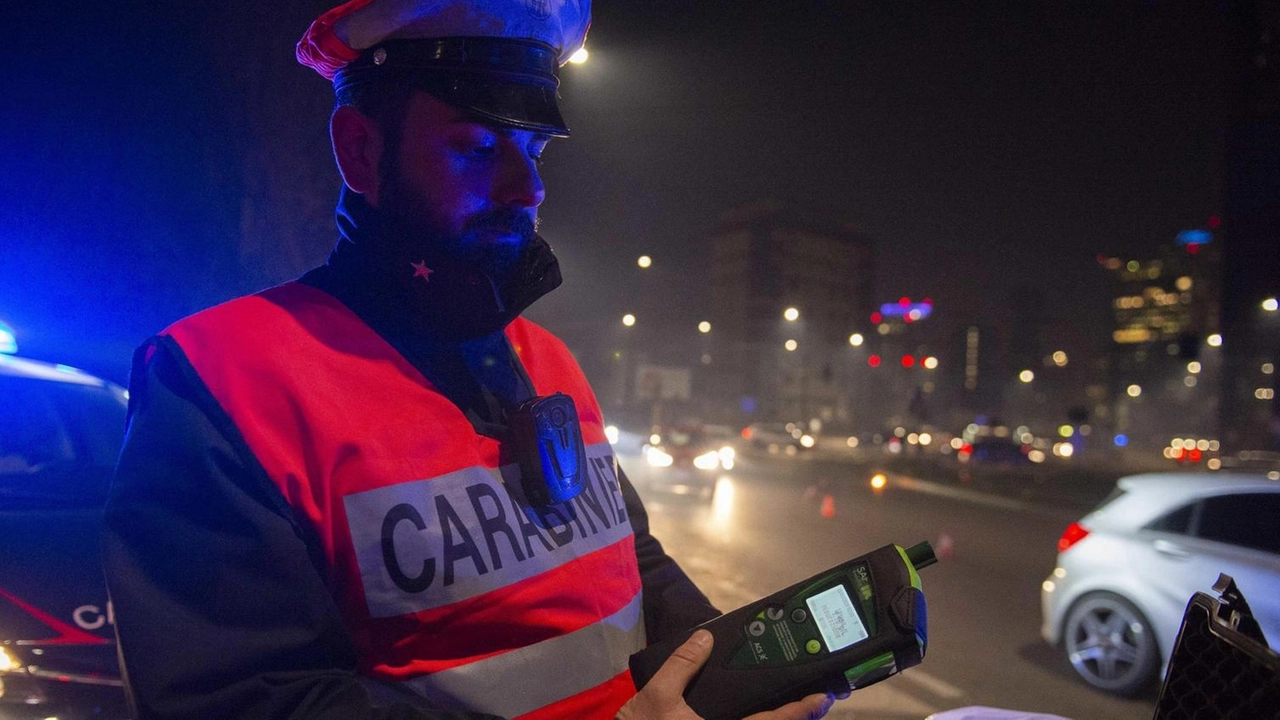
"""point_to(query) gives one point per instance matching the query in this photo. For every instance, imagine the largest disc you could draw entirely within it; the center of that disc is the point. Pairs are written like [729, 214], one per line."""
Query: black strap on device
[541, 434]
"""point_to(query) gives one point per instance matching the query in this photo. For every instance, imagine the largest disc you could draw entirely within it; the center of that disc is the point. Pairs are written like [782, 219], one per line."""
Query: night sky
[982, 145]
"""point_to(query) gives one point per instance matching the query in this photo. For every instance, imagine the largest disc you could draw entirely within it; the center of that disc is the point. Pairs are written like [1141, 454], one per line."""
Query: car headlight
[7, 661]
[807, 440]
[707, 461]
[727, 456]
[657, 458]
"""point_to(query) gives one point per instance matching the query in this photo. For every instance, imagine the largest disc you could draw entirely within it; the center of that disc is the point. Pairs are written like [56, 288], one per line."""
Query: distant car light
[878, 481]
[727, 456]
[807, 440]
[707, 461]
[657, 458]
[611, 433]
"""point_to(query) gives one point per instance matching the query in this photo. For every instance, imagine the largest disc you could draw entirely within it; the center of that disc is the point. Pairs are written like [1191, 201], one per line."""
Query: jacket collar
[413, 284]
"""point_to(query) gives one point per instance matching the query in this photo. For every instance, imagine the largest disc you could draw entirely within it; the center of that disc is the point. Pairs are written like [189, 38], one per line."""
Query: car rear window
[58, 441]
[1176, 521]
[1247, 520]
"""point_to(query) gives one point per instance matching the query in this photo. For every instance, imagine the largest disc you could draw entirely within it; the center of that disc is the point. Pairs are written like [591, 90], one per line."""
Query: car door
[1241, 534]
[58, 444]
[1168, 570]
[1183, 552]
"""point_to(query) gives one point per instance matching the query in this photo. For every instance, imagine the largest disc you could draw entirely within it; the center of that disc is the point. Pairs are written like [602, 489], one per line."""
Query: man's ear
[357, 147]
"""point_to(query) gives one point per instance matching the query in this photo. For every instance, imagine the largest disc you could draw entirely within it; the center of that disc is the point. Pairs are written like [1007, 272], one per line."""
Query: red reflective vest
[446, 583]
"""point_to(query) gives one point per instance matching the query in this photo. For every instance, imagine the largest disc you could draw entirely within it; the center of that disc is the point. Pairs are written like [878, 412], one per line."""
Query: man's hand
[662, 698]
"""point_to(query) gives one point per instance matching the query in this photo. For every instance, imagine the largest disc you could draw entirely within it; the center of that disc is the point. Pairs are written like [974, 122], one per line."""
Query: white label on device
[837, 620]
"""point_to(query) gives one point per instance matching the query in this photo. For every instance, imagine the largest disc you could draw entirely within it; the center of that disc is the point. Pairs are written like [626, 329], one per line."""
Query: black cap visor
[510, 82]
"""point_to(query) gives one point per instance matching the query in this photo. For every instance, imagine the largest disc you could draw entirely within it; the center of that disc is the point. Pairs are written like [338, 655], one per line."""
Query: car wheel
[1110, 644]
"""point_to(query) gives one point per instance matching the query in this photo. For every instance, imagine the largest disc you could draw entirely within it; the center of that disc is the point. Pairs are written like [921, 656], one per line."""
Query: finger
[684, 663]
[809, 708]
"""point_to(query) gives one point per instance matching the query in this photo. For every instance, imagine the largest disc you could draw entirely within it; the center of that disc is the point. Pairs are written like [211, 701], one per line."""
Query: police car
[60, 432]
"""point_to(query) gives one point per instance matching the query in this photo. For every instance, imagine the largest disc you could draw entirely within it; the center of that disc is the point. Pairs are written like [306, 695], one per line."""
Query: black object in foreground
[1221, 666]
[843, 629]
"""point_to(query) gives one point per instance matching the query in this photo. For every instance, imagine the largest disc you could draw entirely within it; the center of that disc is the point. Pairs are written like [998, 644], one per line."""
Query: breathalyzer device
[843, 629]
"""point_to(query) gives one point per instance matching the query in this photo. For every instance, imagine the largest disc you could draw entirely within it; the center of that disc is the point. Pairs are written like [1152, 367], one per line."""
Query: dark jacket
[220, 592]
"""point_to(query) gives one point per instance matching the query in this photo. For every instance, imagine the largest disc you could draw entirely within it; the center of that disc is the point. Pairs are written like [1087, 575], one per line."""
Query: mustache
[505, 220]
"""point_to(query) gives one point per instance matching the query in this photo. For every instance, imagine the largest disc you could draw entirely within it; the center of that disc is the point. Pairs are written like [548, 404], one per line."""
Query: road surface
[772, 521]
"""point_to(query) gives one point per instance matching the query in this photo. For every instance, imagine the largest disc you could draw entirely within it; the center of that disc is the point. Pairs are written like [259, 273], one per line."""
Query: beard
[492, 241]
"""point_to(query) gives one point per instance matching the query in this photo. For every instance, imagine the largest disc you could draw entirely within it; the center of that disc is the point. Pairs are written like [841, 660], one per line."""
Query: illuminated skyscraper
[1164, 355]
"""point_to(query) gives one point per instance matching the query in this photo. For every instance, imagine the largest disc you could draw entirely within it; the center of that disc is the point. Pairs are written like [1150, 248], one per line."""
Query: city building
[1165, 359]
[788, 292]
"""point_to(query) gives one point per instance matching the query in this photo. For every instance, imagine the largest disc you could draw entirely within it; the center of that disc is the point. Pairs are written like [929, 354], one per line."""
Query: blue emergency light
[915, 311]
[1195, 237]
[8, 343]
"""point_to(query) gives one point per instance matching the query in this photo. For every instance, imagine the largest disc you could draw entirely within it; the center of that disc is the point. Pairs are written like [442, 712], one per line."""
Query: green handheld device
[843, 629]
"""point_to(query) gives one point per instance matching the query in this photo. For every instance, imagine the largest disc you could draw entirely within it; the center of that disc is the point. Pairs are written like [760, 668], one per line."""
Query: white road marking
[932, 684]
[884, 699]
[967, 495]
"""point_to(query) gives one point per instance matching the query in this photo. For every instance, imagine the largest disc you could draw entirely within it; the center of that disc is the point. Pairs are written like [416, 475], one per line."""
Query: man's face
[468, 184]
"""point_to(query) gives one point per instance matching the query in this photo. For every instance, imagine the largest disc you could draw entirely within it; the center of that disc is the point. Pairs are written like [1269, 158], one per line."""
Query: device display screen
[837, 620]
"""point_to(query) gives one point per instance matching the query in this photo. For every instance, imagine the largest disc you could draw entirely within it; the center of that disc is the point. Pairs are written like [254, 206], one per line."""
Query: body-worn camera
[547, 441]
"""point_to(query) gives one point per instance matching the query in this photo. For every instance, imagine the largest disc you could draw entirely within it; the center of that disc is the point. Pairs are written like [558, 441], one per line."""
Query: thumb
[684, 663]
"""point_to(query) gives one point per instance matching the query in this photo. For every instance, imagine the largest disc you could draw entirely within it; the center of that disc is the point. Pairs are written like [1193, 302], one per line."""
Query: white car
[1126, 571]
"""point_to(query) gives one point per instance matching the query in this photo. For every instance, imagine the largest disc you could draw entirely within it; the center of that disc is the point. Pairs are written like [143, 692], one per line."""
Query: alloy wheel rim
[1108, 644]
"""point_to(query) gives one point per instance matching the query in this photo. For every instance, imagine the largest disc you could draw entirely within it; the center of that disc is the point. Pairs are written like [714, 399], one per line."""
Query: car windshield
[683, 438]
[58, 441]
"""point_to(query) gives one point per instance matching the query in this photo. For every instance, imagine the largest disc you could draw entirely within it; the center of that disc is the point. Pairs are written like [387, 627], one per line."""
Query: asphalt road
[773, 521]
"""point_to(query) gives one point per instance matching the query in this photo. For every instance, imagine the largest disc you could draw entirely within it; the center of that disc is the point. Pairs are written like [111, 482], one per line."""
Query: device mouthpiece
[921, 555]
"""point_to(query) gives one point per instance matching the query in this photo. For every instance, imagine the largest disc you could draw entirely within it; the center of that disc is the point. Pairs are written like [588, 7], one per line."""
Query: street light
[791, 314]
[644, 261]
[1026, 376]
[704, 327]
[1270, 304]
[856, 339]
[628, 319]
[579, 56]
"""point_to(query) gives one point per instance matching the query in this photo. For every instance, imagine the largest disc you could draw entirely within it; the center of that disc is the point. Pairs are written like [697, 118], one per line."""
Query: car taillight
[1074, 533]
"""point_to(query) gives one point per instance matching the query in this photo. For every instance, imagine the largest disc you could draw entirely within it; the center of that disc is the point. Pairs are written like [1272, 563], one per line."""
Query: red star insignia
[420, 270]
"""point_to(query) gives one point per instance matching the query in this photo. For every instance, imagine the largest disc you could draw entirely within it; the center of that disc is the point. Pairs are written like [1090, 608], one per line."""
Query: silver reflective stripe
[428, 543]
[523, 680]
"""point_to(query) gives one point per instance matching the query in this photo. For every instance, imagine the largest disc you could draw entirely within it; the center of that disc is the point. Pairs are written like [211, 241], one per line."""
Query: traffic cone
[828, 506]
[946, 547]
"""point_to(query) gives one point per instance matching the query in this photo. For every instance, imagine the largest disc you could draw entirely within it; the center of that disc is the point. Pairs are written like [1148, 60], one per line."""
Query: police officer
[377, 491]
